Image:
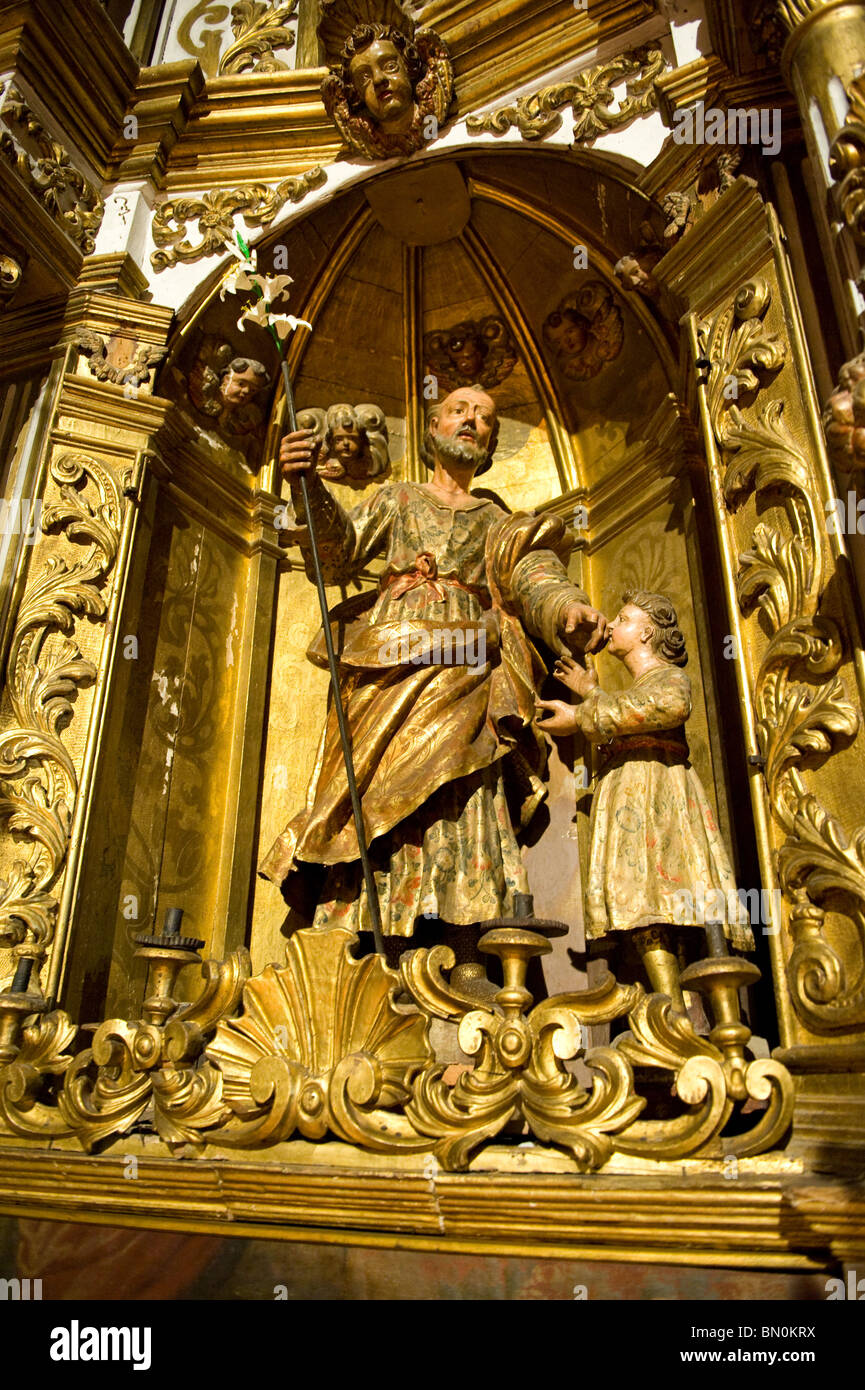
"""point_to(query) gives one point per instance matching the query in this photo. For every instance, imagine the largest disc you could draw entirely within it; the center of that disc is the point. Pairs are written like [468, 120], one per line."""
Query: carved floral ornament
[45, 668]
[799, 700]
[847, 163]
[260, 31]
[215, 212]
[46, 170]
[595, 105]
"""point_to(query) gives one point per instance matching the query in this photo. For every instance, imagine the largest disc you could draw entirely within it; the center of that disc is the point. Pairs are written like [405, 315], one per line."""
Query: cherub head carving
[240, 382]
[381, 68]
[354, 442]
[389, 93]
[585, 331]
[844, 419]
[470, 352]
[223, 393]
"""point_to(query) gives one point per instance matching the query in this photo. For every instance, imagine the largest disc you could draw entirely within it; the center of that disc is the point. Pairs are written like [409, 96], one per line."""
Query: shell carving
[320, 1046]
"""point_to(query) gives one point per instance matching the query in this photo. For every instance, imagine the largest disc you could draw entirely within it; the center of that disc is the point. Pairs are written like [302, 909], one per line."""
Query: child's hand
[571, 674]
[560, 719]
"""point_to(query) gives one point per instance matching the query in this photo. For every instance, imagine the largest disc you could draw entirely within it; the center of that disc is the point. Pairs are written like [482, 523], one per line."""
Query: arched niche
[227, 710]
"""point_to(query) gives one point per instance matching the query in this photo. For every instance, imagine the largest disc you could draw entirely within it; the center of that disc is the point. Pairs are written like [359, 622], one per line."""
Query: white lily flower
[272, 286]
[250, 260]
[243, 276]
[282, 324]
[238, 279]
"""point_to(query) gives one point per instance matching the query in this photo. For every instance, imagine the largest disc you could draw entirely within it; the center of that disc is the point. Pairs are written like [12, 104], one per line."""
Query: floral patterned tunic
[656, 851]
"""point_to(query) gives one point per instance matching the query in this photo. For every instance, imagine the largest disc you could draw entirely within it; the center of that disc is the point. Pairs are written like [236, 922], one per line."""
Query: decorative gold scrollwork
[591, 97]
[46, 170]
[259, 30]
[799, 700]
[321, 1047]
[847, 163]
[128, 1069]
[38, 778]
[215, 214]
[334, 1045]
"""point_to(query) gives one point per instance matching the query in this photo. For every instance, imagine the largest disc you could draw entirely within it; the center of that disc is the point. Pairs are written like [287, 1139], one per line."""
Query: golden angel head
[390, 91]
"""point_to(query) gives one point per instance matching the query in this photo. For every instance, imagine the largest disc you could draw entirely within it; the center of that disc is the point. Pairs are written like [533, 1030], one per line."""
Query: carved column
[798, 647]
[824, 50]
[87, 473]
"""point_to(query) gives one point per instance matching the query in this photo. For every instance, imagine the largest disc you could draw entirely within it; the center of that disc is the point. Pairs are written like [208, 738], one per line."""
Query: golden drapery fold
[447, 757]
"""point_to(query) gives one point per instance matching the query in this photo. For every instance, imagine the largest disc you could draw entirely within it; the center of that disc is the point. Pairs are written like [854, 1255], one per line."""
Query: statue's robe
[447, 757]
[657, 855]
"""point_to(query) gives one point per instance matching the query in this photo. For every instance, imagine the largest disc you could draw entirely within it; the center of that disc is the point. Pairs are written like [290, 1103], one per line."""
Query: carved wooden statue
[445, 749]
[221, 392]
[657, 858]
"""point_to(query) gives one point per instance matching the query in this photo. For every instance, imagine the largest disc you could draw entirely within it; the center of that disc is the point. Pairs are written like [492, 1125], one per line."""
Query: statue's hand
[583, 628]
[582, 680]
[298, 453]
[560, 719]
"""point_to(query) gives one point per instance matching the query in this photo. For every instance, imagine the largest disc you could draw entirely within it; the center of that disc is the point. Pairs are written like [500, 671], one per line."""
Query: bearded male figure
[447, 757]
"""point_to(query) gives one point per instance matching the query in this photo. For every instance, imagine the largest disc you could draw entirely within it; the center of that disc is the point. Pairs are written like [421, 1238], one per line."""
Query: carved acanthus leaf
[800, 706]
[592, 99]
[259, 30]
[38, 778]
[214, 213]
[45, 168]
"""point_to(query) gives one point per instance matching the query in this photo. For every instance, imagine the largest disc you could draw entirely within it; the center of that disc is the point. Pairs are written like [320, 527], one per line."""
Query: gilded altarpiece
[160, 715]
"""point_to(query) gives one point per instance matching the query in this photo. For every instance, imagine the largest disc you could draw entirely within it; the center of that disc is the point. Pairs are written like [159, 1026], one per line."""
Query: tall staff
[268, 289]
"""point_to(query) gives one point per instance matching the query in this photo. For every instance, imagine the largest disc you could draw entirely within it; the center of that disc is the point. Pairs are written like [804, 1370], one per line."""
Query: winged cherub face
[237, 388]
[382, 82]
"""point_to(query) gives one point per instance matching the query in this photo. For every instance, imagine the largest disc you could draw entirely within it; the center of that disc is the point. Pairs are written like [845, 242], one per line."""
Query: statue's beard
[460, 451]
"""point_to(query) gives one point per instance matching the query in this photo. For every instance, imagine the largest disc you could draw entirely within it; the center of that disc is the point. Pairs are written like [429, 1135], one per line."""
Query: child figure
[657, 857]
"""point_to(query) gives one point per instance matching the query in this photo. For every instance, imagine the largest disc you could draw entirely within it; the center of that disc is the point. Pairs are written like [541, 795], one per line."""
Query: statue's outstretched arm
[639, 709]
[346, 540]
[526, 560]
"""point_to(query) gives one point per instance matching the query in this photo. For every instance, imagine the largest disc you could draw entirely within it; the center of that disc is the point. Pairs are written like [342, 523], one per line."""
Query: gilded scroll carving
[591, 97]
[215, 212]
[11, 276]
[333, 1045]
[847, 163]
[38, 778]
[321, 1046]
[260, 30]
[799, 700]
[45, 168]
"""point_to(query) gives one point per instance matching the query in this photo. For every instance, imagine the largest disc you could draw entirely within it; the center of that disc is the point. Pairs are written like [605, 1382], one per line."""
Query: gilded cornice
[194, 134]
[739, 221]
[710, 80]
[41, 42]
[765, 1220]
[161, 103]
